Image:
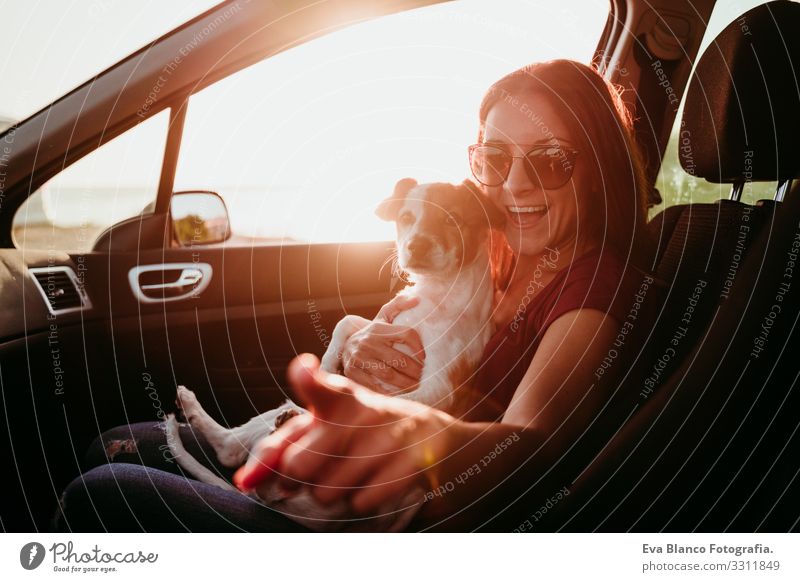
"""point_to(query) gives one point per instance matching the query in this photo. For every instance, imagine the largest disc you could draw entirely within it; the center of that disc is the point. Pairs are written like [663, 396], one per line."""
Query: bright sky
[52, 46]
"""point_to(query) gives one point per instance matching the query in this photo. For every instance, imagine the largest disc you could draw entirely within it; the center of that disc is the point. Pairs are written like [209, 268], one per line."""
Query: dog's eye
[453, 220]
[406, 218]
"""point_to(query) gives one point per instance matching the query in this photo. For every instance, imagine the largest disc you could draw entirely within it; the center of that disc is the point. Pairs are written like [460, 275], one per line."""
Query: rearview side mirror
[199, 217]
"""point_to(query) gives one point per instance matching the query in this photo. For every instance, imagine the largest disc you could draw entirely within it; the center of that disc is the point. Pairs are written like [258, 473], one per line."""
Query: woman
[555, 153]
[575, 218]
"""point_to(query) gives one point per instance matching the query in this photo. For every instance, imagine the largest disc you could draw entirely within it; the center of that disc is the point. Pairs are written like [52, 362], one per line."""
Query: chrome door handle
[193, 279]
[188, 278]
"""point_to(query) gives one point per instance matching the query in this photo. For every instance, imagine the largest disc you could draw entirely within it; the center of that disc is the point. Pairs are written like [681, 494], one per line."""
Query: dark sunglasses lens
[550, 167]
[489, 165]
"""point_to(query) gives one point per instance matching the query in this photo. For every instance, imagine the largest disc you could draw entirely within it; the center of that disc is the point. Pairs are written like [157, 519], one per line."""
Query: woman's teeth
[525, 216]
[526, 209]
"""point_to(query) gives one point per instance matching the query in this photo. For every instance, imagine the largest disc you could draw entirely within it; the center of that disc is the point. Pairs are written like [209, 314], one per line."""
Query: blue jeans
[131, 484]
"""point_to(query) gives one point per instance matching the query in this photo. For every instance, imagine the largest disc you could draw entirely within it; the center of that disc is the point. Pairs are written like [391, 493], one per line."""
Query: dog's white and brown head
[441, 227]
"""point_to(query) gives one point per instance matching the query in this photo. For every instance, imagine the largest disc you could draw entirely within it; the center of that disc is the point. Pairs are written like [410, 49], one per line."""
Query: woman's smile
[525, 216]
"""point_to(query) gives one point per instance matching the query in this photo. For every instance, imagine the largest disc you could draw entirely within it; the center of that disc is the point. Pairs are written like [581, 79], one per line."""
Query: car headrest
[741, 119]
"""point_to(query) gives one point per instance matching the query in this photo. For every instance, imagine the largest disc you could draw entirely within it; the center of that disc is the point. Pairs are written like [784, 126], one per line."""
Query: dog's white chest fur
[453, 319]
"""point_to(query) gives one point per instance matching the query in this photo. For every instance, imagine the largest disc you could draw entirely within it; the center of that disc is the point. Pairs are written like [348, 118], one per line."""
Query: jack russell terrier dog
[442, 244]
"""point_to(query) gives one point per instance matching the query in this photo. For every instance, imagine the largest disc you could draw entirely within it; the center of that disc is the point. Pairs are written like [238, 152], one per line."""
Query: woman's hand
[355, 444]
[371, 354]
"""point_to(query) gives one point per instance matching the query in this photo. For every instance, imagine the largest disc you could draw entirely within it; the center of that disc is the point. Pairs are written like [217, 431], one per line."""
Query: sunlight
[304, 145]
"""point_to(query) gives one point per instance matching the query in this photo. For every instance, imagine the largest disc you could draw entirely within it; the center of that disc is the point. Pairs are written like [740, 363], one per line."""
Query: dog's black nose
[419, 246]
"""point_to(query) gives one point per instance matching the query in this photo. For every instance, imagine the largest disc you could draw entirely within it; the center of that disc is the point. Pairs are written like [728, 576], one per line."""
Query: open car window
[116, 181]
[304, 145]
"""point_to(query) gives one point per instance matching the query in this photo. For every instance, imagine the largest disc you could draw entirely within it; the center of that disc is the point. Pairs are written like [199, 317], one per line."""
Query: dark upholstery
[702, 249]
[718, 446]
[705, 239]
[661, 227]
[745, 97]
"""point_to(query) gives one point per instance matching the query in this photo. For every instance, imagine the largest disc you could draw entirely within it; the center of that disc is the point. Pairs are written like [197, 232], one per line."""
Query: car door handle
[192, 279]
[188, 278]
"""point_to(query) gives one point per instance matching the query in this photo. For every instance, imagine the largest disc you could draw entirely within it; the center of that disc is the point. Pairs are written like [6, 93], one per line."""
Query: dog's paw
[186, 402]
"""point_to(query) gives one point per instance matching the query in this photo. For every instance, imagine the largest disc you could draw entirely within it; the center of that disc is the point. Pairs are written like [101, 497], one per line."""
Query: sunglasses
[546, 165]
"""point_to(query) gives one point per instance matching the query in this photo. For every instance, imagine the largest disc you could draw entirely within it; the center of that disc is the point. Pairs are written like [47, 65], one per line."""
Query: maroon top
[596, 280]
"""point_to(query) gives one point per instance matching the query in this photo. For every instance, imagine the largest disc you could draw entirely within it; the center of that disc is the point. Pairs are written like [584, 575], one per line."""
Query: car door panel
[263, 305]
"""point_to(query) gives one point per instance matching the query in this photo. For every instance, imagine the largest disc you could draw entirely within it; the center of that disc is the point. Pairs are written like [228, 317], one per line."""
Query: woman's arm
[553, 405]
[561, 374]
[556, 401]
[370, 448]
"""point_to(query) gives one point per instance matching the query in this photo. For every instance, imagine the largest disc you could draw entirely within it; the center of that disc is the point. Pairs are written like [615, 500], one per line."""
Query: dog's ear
[490, 211]
[388, 209]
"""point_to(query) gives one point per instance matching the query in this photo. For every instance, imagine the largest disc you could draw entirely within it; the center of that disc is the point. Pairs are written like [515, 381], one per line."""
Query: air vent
[61, 289]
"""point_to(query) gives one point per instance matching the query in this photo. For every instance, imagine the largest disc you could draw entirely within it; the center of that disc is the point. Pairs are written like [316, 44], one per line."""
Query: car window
[116, 181]
[677, 186]
[304, 145]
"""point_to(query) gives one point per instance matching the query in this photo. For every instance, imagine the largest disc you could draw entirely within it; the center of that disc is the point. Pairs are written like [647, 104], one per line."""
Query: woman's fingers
[411, 339]
[355, 444]
[393, 334]
[326, 396]
[388, 365]
[374, 352]
[367, 452]
[306, 460]
[395, 307]
[264, 457]
[320, 392]
[387, 485]
[348, 469]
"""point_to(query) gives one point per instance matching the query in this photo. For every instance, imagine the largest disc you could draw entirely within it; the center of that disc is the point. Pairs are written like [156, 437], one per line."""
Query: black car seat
[729, 134]
[715, 445]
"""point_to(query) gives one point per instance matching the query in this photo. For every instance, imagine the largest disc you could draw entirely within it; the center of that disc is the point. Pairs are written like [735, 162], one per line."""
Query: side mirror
[199, 217]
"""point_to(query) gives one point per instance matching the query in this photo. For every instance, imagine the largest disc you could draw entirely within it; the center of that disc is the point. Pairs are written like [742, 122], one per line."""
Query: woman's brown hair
[601, 127]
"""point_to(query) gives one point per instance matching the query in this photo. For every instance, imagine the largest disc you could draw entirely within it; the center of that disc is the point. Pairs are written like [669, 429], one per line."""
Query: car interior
[94, 339]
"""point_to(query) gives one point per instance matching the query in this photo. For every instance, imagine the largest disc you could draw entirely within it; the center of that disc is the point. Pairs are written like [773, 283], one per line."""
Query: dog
[442, 246]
